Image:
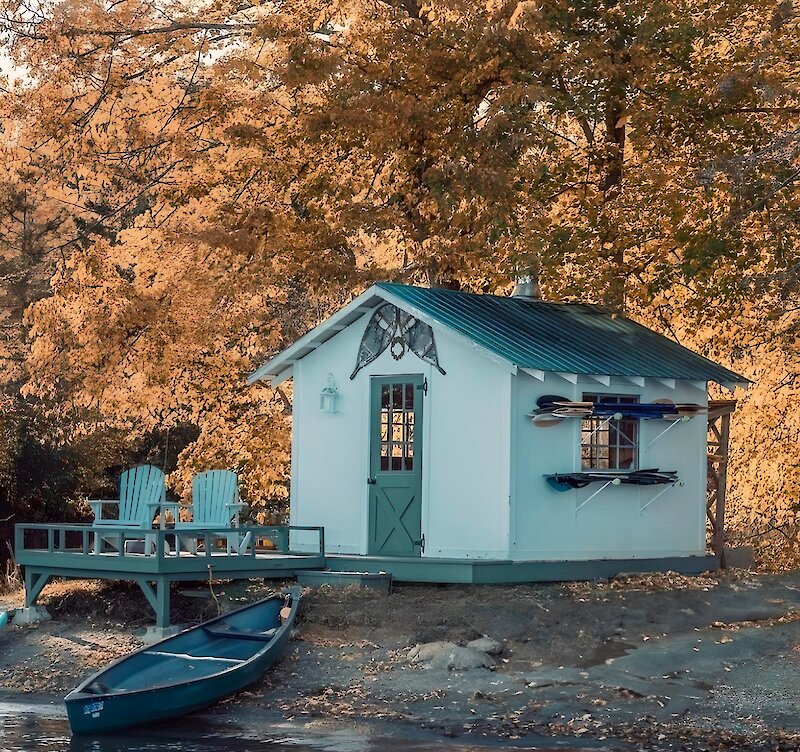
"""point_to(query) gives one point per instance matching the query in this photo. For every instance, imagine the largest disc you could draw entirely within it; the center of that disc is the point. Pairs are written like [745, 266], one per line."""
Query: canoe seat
[223, 632]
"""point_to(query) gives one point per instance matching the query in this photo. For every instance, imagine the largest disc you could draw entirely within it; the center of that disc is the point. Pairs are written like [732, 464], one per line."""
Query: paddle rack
[573, 481]
[612, 482]
[673, 423]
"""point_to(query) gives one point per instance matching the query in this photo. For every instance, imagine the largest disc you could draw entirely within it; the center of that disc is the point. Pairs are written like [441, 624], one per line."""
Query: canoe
[185, 672]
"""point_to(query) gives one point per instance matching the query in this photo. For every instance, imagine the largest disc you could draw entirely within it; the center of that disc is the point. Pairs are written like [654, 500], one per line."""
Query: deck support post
[145, 587]
[162, 602]
[158, 598]
[34, 584]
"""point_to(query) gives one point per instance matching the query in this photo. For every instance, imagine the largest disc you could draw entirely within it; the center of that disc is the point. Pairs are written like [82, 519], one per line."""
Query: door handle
[371, 481]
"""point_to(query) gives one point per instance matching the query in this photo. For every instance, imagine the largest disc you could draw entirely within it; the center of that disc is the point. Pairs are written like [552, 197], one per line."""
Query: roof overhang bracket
[731, 386]
[635, 380]
[604, 380]
[571, 377]
[534, 372]
[669, 383]
[285, 375]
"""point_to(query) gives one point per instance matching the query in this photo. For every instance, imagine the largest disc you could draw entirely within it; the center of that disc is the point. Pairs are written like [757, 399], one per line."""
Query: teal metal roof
[561, 337]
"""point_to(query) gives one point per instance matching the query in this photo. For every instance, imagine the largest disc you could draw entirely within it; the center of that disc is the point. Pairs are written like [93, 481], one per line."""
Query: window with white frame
[609, 444]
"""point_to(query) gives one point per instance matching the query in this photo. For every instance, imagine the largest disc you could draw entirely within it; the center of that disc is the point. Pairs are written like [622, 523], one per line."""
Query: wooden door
[395, 482]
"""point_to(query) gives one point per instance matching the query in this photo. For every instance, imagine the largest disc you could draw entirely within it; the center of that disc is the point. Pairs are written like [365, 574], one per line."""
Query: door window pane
[397, 427]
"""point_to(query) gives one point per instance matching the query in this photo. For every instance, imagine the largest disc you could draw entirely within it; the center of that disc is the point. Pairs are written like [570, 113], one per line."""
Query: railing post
[50, 532]
[322, 541]
[19, 538]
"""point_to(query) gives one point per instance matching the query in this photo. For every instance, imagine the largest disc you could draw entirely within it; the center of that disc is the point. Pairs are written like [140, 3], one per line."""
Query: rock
[447, 656]
[461, 659]
[486, 645]
[428, 651]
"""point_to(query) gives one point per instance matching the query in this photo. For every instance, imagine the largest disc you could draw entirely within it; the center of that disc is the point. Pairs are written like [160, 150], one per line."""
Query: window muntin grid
[397, 427]
[609, 444]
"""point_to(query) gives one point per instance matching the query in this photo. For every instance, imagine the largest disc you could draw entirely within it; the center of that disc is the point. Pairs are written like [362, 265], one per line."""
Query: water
[30, 727]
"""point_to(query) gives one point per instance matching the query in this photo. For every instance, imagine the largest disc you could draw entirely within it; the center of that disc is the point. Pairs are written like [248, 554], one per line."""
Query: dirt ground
[666, 661]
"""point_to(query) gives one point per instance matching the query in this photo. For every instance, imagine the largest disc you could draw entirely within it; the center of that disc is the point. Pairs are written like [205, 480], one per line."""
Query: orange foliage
[197, 191]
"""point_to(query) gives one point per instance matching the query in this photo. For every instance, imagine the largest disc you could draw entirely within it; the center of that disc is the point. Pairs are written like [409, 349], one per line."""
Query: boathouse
[446, 436]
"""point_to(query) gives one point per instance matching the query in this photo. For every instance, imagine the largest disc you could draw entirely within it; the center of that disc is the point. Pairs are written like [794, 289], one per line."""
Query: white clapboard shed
[428, 442]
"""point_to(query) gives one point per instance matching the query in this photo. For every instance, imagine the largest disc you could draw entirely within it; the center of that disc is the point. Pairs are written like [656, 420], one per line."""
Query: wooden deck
[156, 558]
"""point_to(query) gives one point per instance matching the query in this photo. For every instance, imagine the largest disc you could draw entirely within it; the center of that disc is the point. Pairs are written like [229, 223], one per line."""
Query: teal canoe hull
[186, 672]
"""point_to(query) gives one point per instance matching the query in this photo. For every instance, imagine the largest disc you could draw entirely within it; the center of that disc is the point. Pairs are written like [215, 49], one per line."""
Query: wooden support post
[719, 425]
[283, 539]
[146, 588]
[34, 584]
[162, 602]
[722, 484]
[157, 597]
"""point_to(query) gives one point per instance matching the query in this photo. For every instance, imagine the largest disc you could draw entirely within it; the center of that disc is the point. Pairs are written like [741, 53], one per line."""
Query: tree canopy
[187, 187]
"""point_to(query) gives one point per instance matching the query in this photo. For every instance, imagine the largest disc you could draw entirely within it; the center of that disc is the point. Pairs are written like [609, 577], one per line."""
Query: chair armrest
[164, 504]
[162, 507]
[97, 506]
[236, 505]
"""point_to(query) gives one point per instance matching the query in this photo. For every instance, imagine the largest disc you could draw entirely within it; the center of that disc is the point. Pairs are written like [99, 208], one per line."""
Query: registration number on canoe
[93, 708]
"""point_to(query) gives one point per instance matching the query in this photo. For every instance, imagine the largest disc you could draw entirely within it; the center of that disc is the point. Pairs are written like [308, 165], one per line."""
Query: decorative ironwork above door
[398, 331]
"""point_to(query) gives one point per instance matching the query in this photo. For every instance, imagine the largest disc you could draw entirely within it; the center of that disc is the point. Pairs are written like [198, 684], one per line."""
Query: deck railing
[122, 542]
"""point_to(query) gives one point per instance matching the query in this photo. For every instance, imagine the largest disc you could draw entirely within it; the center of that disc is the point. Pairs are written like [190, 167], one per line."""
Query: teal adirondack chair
[142, 495]
[215, 504]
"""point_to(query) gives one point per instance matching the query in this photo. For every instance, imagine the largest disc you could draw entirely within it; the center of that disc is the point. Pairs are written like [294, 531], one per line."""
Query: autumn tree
[209, 181]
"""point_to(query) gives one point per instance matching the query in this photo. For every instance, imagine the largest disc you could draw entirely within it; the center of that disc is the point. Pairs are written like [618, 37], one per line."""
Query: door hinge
[424, 386]
[421, 543]
[371, 481]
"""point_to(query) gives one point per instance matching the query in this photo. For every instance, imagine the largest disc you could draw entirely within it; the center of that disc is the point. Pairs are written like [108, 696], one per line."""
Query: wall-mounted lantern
[328, 395]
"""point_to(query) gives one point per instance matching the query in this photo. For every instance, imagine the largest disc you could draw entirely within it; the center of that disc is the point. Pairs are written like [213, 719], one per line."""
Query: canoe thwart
[235, 634]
